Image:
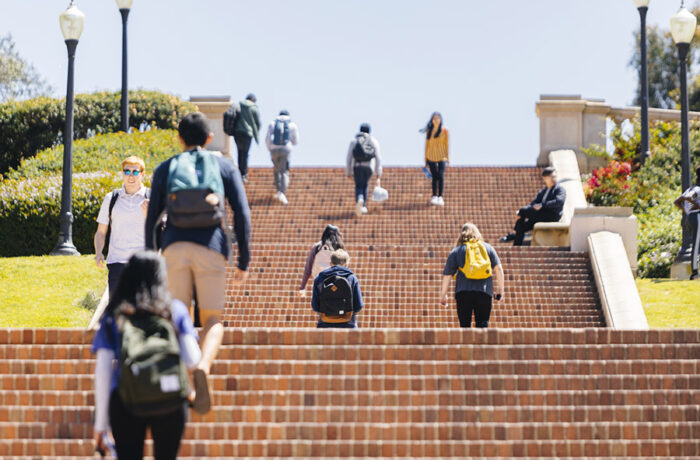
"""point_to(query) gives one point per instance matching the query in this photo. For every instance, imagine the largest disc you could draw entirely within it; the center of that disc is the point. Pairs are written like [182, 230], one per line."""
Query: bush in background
[27, 127]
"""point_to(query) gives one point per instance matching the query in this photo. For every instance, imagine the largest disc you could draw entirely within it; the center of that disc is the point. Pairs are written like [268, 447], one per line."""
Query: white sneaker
[282, 199]
[441, 202]
[434, 200]
[364, 210]
[358, 206]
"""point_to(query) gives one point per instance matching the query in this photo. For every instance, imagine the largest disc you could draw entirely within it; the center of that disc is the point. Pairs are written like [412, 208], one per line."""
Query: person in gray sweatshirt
[363, 160]
[282, 134]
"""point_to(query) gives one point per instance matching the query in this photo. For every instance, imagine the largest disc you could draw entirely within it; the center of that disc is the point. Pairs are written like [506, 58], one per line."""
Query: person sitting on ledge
[546, 207]
[689, 203]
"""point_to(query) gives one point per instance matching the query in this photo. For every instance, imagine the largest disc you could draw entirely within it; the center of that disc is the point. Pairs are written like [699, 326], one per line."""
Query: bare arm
[445, 285]
[498, 281]
[99, 241]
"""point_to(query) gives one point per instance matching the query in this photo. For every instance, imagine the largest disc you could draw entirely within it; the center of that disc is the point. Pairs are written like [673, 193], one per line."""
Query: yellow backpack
[477, 265]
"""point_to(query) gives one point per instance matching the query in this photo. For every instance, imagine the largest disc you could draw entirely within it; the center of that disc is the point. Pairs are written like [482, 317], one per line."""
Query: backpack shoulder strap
[112, 202]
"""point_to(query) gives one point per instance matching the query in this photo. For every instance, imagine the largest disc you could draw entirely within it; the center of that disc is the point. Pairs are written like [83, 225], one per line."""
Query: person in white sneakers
[282, 134]
[437, 155]
[363, 160]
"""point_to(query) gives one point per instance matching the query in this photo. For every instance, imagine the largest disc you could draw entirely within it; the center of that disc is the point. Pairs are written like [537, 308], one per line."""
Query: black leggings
[130, 431]
[437, 169]
[478, 302]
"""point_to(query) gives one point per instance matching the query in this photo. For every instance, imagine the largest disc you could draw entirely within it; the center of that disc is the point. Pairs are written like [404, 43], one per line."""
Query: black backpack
[336, 300]
[364, 149]
[230, 116]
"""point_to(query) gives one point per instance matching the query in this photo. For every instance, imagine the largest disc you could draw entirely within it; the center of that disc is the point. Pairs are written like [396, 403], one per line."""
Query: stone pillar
[569, 122]
[214, 107]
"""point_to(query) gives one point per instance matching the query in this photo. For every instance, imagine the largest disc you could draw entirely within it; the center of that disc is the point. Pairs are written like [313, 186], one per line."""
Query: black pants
[362, 175]
[243, 142]
[437, 169]
[114, 271]
[528, 218]
[694, 222]
[478, 302]
[130, 431]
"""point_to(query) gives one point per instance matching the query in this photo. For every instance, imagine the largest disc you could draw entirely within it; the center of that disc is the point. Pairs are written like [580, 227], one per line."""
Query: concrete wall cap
[210, 99]
[609, 211]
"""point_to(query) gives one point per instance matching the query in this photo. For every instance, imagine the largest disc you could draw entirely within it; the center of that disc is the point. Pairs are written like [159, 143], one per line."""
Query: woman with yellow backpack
[473, 264]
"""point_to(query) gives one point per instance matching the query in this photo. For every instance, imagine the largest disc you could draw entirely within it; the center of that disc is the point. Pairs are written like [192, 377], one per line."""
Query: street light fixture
[683, 25]
[643, 7]
[72, 21]
[124, 8]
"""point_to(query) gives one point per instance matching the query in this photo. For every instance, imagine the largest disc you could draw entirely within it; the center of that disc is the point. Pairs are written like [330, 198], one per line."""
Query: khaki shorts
[190, 264]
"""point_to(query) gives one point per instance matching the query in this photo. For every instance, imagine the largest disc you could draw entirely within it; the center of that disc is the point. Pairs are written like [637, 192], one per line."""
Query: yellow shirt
[437, 148]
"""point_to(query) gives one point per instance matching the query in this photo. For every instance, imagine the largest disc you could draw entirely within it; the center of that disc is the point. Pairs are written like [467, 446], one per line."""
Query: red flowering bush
[609, 186]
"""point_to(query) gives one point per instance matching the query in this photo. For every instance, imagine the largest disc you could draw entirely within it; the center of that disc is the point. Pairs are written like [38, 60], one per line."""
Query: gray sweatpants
[280, 163]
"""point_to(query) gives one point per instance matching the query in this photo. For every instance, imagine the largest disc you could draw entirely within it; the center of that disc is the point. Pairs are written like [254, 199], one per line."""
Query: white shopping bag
[379, 194]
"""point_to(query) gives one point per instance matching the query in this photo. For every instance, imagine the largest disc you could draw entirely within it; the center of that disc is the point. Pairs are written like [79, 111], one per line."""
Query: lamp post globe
[642, 7]
[124, 8]
[72, 21]
[683, 25]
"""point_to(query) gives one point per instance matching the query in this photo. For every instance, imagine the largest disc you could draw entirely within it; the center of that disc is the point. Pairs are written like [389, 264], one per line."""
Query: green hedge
[102, 153]
[29, 126]
[30, 197]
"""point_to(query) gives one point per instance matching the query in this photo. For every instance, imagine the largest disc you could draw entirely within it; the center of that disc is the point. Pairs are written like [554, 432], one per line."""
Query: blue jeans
[694, 222]
[437, 169]
[114, 271]
[362, 174]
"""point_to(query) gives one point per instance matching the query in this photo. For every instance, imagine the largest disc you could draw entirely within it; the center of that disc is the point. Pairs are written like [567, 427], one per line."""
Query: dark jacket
[345, 272]
[214, 237]
[248, 120]
[554, 205]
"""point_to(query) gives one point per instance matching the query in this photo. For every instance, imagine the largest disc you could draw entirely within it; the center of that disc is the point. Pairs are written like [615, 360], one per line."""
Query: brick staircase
[548, 381]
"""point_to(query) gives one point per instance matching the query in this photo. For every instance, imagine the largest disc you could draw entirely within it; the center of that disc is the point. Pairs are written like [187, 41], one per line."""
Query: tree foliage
[18, 78]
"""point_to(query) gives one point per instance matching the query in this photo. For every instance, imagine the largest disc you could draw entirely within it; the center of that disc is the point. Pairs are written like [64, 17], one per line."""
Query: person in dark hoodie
[336, 295]
[245, 130]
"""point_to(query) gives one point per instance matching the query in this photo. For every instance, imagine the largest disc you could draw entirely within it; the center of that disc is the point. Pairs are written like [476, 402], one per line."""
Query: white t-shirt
[128, 225]
[693, 193]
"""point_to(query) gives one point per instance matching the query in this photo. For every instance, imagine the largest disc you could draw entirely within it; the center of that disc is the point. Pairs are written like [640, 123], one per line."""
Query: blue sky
[337, 63]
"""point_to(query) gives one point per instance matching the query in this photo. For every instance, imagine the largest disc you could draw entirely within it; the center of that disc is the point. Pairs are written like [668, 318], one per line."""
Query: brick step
[386, 431]
[180, 457]
[416, 325]
[398, 352]
[389, 398]
[393, 336]
[367, 448]
[244, 367]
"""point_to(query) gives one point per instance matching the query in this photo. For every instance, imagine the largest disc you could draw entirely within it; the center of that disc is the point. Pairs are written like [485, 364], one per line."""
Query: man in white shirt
[282, 134]
[125, 217]
[689, 203]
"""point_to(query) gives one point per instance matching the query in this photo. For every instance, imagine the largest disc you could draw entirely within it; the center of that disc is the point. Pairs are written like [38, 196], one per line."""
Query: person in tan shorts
[196, 257]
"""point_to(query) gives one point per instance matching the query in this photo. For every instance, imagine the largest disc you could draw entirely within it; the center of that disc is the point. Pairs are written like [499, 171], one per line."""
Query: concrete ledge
[618, 292]
[618, 220]
[550, 234]
[214, 107]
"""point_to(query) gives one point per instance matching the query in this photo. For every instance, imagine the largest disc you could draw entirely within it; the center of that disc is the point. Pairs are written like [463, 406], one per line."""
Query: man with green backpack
[190, 189]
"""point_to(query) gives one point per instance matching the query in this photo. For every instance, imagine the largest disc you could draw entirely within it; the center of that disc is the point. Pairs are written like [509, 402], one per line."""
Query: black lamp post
[72, 21]
[124, 8]
[642, 7]
[683, 26]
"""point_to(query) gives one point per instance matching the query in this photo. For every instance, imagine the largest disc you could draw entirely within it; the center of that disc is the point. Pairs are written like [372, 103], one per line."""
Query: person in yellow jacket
[437, 154]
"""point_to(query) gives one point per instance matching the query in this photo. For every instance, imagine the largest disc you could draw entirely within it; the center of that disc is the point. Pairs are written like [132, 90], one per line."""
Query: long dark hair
[142, 287]
[428, 130]
[331, 236]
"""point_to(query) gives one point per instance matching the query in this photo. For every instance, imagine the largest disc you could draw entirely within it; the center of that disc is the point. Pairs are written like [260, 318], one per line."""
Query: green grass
[669, 303]
[49, 291]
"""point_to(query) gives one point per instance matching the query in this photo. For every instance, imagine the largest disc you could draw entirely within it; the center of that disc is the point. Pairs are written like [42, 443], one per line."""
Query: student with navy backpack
[282, 134]
[191, 188]
[336, 296]
[121, 218]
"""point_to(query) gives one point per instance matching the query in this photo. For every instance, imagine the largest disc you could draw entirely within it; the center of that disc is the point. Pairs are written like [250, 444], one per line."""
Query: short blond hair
[134, 160]
[469, 232]
[340, 257]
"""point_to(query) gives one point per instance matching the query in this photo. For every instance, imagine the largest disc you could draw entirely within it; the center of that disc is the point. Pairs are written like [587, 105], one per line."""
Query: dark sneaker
[245, 179]
[694, 276]
[202, 401]
[508, 238]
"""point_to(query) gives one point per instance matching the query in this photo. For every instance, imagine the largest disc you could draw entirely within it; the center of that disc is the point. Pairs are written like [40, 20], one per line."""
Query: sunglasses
[132, 172]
